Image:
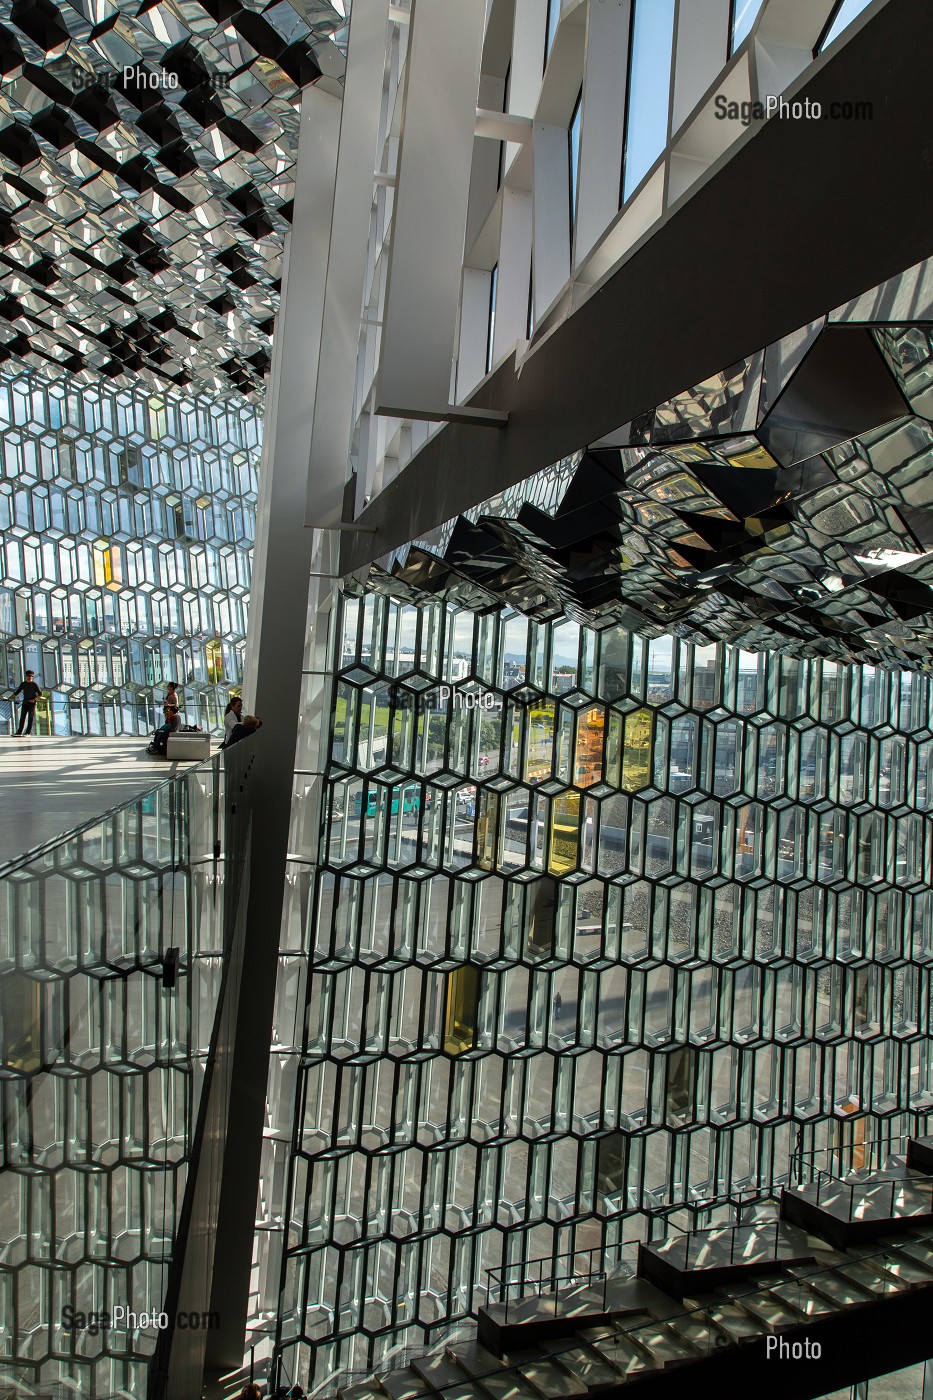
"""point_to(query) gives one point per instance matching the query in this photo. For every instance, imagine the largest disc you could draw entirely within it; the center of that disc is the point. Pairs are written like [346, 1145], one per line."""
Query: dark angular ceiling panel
[701, 519]
[147, 157]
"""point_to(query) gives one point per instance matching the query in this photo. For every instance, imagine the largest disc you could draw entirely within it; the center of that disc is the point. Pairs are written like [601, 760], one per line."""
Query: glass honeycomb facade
[608, 934]
[112, 944]
[127, 523]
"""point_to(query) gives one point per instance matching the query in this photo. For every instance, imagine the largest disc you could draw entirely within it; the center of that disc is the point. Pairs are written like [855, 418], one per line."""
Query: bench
[188, 747]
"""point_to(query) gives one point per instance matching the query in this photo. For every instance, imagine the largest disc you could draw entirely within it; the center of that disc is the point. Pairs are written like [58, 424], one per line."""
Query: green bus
[410, 798]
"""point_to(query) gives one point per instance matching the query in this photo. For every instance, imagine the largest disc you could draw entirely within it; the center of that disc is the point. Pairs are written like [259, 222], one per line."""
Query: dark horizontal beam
[803, 216]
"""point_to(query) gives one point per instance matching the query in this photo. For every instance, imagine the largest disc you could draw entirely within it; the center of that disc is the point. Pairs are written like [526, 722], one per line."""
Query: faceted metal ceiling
[147, 162]
[785, 504]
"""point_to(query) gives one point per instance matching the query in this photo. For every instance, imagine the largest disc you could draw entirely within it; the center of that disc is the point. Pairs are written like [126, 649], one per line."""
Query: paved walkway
[50, 785]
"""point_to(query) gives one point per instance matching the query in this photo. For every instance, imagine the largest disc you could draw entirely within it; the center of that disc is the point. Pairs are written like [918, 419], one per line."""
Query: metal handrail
[731, 1199]
[849, 1192]
[400, 1356]
[888, 1145]
[556, 1282]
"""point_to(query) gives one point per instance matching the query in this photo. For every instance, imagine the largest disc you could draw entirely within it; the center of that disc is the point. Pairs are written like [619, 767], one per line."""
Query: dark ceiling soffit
[804, 216]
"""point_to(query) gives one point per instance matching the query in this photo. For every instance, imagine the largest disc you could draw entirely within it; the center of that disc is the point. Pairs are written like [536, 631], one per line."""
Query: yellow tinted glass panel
[614, 748]
[215, 662]
[539, 742]
[636, 754]
[460, 1009]
[564, 848]
[486, 830]
[103, 565]
[588, 760]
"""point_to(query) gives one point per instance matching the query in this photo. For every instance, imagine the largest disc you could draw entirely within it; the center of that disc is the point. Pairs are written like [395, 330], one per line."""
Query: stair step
[584, 1362]
[772, 1309]
[840, 1290]
[909, 1270]
[438, 1371]
[495, 1377]
[362, 1390]
[869, 1274]
[474, 1358]
[620, 1351]
[548, 1377]
[736, 1322]
[403, 1385]
[699, 1333]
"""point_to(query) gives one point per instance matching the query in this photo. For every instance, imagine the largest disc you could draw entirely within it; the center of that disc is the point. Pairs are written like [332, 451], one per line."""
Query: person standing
[30, 691]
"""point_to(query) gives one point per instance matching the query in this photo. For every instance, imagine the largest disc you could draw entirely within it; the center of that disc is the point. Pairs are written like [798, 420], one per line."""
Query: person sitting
[232, 715]
[243, 728]
[170, 725]
[250, 1392]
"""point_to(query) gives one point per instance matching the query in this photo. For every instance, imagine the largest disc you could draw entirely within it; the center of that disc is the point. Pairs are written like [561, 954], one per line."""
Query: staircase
[843, 1260]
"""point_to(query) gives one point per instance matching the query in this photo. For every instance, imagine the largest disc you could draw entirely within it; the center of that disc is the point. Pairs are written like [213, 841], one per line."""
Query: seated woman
[170, 725]
[232, 716]
[243, 729]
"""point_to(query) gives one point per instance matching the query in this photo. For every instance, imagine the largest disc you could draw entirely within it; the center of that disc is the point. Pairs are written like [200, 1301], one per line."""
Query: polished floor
[51, 785]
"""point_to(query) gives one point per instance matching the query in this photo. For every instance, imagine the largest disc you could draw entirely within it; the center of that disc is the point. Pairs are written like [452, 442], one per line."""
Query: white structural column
[283, 476]
[605, 88]
[346, 262]
[484, 182]
[514, 270]
[551, 214]
[701, 46]
[474, 329]
[527, 63]
[435, 160]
